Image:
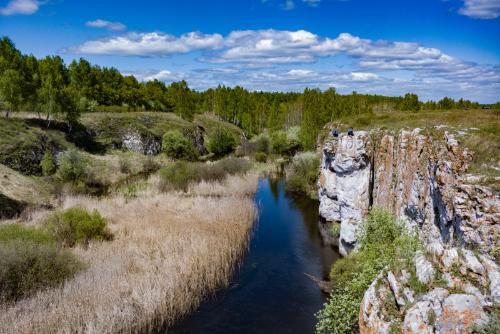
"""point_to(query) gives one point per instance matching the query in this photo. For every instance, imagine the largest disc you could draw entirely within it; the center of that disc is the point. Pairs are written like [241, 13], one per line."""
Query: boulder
[460, 313]
[494, 278]
[425, 270]
[472, 263]
[420, 317]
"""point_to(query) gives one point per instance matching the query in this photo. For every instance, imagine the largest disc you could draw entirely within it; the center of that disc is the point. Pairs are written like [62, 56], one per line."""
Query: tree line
[50, 87]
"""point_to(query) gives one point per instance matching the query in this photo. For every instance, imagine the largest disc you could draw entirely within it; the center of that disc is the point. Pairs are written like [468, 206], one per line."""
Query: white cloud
[481, 9]
[363, 76]
[113, 26]
[22, 7]
[149, 44]
[259, 59]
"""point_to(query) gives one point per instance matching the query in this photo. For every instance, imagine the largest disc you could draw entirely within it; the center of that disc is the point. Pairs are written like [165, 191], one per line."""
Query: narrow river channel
[270, 292]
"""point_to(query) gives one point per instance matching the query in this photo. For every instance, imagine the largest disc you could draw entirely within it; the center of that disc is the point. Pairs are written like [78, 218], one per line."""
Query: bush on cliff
[384, 243]
[222, 142]
[176, 146]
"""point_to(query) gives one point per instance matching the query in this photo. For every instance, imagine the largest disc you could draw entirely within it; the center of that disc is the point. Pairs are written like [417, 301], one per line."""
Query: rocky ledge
[422, 180]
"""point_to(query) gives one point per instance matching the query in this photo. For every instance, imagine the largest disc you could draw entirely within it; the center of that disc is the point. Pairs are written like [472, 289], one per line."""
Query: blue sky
[434, 48]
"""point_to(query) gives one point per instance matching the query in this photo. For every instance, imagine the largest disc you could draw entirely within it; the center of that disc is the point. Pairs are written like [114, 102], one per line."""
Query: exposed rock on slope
[419, 178]
[414, 175]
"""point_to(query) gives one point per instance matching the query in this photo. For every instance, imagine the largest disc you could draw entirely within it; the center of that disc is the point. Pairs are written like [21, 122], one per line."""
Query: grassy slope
[23, 188]
[478, 130]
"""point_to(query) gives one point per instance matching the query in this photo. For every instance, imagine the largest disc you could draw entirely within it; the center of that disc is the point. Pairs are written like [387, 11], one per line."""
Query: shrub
[125, 165]
[302, 173]
[222, 142]
[149, 165]
[178, 176]
[262, 143]
[384, 243]
[279, 142]
[76, 225]
[233, 165]
[176, 146]
[72, 166]
[48, 167]
[30, 260]
[181, 174]
[260, 157]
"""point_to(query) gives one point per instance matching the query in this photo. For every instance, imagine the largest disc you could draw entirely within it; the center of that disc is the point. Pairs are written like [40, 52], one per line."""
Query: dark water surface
[270, 292]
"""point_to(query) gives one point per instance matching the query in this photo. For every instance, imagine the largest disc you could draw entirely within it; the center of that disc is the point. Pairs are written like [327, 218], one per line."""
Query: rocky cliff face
[421, 179]
[418, 177]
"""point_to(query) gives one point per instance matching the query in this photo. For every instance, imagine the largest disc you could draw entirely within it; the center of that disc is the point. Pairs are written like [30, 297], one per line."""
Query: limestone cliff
[421, 178]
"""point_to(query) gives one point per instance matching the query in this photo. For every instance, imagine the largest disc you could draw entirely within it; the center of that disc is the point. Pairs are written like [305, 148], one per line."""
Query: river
[270, 292]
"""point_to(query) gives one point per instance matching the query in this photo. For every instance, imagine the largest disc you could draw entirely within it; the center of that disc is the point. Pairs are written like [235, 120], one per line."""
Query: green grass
[30, 260]
[384, 244]
[481, 137]
[9, 232]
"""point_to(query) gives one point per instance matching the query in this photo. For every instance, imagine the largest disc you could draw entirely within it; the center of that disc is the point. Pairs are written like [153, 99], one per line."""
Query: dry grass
[170, 250]
[23, 188]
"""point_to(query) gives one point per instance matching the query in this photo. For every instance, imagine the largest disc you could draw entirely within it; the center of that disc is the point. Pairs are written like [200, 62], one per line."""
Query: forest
[51, 88]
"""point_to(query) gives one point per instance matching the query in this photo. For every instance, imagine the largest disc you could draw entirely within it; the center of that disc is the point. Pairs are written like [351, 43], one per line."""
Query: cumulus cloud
[279, 59]
[149, 44]
[481, 9]
[21, 7]
[104, 24]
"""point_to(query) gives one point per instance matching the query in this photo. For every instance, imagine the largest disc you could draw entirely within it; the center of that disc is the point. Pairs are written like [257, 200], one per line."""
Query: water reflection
[270, 293]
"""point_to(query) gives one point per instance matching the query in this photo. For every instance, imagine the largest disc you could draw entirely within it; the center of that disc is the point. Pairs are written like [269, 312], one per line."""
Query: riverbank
[271, 292]
[169, 251]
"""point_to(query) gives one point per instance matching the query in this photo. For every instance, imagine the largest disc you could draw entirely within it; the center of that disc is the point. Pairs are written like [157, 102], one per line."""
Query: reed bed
[170, 251]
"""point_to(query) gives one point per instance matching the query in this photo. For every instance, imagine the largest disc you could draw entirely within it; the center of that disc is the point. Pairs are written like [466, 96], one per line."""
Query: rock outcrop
[421, 179]
[138, 143]
[418, 177]
[345, 185]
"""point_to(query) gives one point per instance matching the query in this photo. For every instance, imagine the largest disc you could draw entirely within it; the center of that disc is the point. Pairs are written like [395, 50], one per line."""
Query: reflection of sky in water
[271, 293]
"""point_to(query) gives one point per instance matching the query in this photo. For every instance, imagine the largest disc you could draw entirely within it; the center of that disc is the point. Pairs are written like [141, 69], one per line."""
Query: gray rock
[396, 288]
[344, 185]
[370, 317]
[425, 270]
[472, 263]
[494, 278]
[450, 256]
[460, 313]
[418, 318]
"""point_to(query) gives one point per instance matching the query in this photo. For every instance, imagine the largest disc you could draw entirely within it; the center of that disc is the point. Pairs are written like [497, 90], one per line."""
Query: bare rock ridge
[421, 179]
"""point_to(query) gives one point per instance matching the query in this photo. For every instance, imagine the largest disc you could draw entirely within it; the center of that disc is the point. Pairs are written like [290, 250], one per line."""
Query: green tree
[53, 81]
[176, 146]
[222, 142]
[182, 99]
[410, 103]
[10, 90]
